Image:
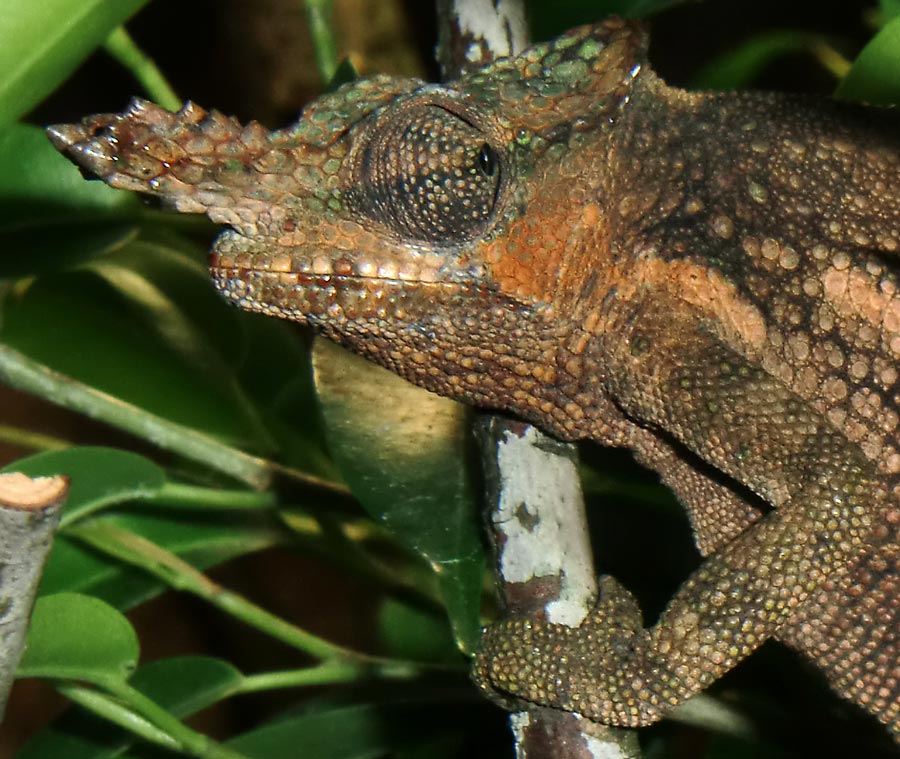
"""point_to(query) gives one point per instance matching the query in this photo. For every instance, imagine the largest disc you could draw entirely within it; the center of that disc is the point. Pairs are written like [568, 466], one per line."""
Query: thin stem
[830, 59]
[191, 741]
[123, 48]
[112, 710]
[184, 496]
[132, 710]
[273, 625]
[177, 573]
[312, 480]
[23, 373]
[33, 440]
[328, 673]
[318, 13]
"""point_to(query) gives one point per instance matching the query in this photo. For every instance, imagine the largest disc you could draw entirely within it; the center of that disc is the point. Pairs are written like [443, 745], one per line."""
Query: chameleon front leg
[738, 418]
[717, 513]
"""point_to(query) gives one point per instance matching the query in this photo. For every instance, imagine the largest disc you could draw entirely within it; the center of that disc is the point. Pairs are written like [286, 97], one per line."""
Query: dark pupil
[487, 160]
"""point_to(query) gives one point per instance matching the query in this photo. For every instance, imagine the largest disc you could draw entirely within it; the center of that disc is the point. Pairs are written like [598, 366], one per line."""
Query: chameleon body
[707, 279]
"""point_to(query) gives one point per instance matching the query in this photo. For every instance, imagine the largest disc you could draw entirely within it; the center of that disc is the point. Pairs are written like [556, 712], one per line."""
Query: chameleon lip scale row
[707, 279]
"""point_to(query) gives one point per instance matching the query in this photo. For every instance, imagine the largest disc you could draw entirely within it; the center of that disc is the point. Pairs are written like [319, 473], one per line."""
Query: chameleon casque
[708, 279]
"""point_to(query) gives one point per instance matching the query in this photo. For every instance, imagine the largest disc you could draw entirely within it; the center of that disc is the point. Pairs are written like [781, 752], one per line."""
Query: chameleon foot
[600, 669]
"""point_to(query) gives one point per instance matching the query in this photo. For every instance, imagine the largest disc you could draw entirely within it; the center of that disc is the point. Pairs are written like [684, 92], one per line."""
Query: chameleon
[707, 279]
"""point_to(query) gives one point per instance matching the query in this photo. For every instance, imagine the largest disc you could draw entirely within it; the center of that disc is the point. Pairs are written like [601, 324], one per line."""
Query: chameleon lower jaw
[299, 296]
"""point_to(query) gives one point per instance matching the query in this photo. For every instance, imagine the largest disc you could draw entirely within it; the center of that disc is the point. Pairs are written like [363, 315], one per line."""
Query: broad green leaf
[461, 587]
[414, 634]
[81, 325]
[351, 732]
[45, 248]
[889, 8]
[98, 477]
[37, 184]
[875, 75]
[182, 685]
[76, 735]
[402, 451]
[43, 42]
[50, 219]
[78, 637]
[167, 281]
[75, 568]
[197, 446]
[201, 540]
[276, 374]
[186, 684]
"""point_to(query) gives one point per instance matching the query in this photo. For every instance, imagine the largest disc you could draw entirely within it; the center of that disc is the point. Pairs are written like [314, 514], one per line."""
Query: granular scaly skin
[708, 279]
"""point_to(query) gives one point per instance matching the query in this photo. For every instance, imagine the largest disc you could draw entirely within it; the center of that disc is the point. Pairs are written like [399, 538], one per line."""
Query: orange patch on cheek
[526, 263]
[556, 251]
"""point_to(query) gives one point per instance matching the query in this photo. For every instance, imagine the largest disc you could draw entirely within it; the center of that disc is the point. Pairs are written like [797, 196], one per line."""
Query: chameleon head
[428, 227]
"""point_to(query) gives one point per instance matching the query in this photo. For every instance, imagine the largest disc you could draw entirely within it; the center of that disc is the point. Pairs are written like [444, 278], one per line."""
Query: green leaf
[414, 634]
[43, 42]
[461, 586]
[889, 8]
[351, 732]
[276, 374]
[24, 373]
[94, 330]
[78, 637]
[167, 281]
[76, 735]
[198, 539]
[99, 477]
[402, 451]
[73, 567]
[874, 77]
[50, 247]
[182, 685]
[39, 184]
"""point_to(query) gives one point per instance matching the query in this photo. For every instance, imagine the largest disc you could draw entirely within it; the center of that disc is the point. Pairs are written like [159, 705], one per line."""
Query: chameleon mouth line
[245, 274]
[411, 269]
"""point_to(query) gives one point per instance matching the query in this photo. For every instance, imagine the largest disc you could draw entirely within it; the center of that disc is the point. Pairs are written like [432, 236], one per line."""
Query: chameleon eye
[487, 160]
[430, 175]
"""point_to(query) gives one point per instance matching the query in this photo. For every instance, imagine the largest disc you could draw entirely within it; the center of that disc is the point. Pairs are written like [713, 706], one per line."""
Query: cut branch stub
[29, 516]
[18, 491]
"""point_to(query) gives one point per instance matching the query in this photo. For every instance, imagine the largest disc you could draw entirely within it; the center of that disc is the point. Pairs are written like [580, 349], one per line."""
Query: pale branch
[538, 522]
[472, 33]
[29, 515]
[538, 526]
